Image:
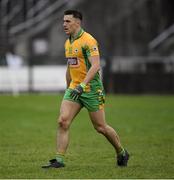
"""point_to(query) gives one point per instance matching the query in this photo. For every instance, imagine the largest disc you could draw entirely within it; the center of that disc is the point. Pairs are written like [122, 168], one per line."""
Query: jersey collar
[79, 34]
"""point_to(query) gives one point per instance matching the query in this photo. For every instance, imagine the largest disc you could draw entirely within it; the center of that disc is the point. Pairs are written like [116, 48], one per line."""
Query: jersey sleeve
[65, 48]
[91, 47]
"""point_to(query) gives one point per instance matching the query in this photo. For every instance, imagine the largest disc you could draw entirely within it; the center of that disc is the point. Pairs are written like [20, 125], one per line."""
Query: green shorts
[92, 101]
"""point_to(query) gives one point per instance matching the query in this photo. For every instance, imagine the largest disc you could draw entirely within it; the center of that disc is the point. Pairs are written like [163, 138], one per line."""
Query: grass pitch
[28, 130]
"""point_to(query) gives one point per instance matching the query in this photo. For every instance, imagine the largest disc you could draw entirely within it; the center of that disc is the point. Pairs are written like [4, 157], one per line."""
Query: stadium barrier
[123, 75]
[142, 75]
[35, 78]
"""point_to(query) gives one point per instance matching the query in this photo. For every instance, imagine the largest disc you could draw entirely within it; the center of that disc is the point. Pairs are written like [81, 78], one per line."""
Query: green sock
[60, 157]
[121, 151]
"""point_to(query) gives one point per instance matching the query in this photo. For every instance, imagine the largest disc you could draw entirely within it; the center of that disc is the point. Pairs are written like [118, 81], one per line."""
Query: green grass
[144, 123]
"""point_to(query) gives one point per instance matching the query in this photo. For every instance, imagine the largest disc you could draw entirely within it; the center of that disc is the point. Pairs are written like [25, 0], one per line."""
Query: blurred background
[136, 39]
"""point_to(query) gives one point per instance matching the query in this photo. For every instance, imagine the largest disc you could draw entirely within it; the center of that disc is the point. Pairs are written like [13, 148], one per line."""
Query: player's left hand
[76, 93]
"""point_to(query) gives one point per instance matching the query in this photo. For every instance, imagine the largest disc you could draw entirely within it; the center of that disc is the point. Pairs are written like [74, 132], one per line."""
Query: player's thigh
[68, 111]
[98, 118]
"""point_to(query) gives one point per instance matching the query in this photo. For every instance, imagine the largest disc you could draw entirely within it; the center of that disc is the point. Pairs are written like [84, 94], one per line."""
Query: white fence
[38, 78]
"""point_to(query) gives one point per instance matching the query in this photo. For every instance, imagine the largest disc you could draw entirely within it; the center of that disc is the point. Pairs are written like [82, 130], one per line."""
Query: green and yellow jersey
[77, 52]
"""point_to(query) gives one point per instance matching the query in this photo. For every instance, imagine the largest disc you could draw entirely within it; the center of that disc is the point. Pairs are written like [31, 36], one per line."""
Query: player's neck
[74, 35]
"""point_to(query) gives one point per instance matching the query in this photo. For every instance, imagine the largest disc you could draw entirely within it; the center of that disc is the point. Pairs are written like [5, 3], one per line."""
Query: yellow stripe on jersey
[77, 52]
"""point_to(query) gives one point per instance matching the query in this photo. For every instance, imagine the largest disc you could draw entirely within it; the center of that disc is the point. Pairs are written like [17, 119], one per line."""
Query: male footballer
[84, 89]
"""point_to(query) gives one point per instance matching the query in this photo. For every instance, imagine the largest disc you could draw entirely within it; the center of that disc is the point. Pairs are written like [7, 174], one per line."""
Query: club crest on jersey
[94, 48]
[76, 50]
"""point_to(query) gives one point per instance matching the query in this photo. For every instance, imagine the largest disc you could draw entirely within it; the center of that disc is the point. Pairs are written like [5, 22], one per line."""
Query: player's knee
[63, 122]
[101, 129]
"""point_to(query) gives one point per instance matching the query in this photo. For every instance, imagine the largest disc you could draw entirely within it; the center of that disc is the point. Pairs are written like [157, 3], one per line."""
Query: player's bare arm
[95, 67]
[68, 77]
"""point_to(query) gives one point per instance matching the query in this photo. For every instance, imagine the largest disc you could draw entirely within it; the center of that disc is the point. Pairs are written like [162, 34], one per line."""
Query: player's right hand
[76, 93]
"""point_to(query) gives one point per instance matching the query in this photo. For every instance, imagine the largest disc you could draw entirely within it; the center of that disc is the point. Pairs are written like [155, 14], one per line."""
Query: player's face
[70, 24]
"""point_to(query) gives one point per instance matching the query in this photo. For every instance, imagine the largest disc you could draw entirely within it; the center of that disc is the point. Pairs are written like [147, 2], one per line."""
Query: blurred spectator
[14, 62]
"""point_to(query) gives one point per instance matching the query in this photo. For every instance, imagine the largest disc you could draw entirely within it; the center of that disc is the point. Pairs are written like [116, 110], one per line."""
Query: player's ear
[78, 21]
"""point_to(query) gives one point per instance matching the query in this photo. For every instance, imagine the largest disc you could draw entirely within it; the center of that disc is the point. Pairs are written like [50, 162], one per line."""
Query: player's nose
[64, 24]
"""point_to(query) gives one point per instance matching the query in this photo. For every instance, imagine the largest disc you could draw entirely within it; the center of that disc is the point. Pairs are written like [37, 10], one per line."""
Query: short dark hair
[75, 13]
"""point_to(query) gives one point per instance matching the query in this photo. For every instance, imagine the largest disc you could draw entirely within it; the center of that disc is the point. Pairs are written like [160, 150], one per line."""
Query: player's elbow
[97, 67]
